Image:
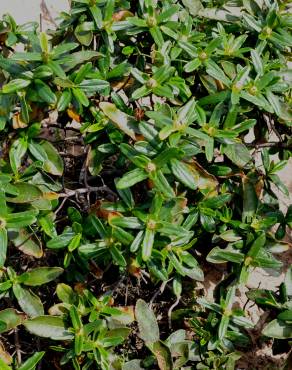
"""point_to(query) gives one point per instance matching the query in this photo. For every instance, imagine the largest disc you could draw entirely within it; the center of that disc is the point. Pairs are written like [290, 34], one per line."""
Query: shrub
[143, 138]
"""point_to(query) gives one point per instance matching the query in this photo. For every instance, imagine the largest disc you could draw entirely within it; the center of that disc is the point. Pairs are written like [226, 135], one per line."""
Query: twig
[272, 144]
[61, 206]
[143, 276]
[271, 126]
[71, 193]
[67, 138]
[83, 173]
[41, 22]
[126, 293]
[170, 311]
[69, 155]
[159, 291]
[65, 128]
[17, 346]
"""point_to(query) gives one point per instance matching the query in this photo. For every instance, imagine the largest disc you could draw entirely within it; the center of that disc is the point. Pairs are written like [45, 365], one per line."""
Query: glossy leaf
[40, 275]
[31, 362]
[48, 327]
[28, 301]
[119, 118]
[278, 329]
[3, 246]
[10, 319]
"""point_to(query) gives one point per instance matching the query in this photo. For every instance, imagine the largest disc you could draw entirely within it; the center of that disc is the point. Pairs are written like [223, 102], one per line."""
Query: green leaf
[61, 241]
[74, 242]
[258, 100]
[285, 316]
[131, 178]
[250, 200]
[167, 14]
[192, 65]
[157, 36]
[48, 327]
[44, 42]
[63, 48]
[137, 242]
[217, 202]
[280, 185]
[209, 149]
[216, 72]
[176, 263]
[21, 219]
[40, 275]
[163, 91]
[53, 164]
[141, 92]
[238, 154]
[218, 255]
[162, 184]
[47, 224]
[93, 85]
[3, 365]
[123, 236]
[148, 327]
[275, 102]
[115, 336]
[278, 329]
[64, 100]
[3, 246]
[30, 363]
[45, 92]
[251, 22]
[245, 125]
[183, 173]
[56, 69]
[16, 153]
[28, 301]
[15, 85]
[81, 97]
[25, 243]
[118, 256]
[230, 236]
[27, 193]
[208, 222]
[65, 293]
[223, 326]
[166, 155]
[126, 222]
[123, 121]
[257, 245]
[147, 244]
[71, 61]
[10, 319]
[288, 282]
[257, 62]
[83, 33]
[97, 15]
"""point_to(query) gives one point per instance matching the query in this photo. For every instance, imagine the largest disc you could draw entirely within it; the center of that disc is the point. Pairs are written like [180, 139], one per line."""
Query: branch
[273, 144]
[90, 189]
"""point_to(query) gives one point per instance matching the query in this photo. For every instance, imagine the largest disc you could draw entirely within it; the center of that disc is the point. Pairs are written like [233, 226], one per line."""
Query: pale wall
[30, 10]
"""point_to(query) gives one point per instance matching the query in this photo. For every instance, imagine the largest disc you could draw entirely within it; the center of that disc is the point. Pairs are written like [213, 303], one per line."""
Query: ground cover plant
[140, 148]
